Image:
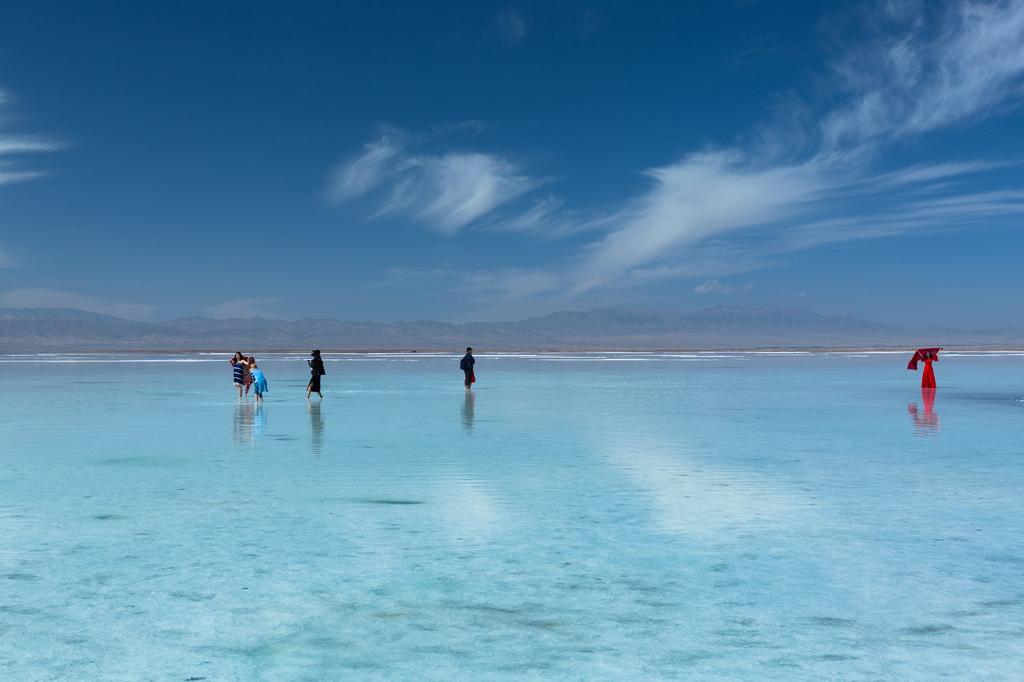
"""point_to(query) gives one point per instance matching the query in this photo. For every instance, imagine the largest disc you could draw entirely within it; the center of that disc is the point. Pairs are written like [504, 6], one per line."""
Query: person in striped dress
[239, 365]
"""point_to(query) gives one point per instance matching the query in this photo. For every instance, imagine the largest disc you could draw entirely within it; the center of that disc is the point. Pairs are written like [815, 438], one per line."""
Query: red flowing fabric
[919, 356]
[472, 377]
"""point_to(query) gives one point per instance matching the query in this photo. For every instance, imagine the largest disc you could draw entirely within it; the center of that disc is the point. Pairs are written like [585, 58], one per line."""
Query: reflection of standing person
[316, 370]
[466, 365]
[469, 411]
[243, 423]
[238, 369]
[928, 419]
[259, 420]
[316, 423]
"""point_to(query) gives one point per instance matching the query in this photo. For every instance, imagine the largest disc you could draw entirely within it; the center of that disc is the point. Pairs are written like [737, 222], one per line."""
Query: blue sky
[499, 160]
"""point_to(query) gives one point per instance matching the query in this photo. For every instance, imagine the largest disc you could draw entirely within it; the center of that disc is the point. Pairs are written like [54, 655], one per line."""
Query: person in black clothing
[316, 369]
[466, 365]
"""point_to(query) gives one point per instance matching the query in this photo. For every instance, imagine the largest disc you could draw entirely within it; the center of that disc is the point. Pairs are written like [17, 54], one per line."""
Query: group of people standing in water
[247, 374]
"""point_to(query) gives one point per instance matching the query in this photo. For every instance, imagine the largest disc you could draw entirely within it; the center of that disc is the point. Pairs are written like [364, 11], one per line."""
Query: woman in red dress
[928, 356]
[928, 376]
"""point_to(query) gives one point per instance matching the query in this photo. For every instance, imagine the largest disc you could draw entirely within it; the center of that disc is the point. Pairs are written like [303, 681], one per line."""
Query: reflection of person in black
[316, 369]
[466, 365]
[468, 411]
[316, 421]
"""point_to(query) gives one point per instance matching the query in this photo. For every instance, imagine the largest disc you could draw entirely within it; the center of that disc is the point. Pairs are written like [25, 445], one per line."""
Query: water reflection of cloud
[698, 497]
[468, 509]
[259, 421]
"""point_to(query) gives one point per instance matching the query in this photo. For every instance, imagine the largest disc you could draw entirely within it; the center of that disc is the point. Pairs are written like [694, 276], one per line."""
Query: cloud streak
[971, 65]
[15, 147]
[511, 26]
[920, 80]
[448, 192]
[714, 286]
[722, 211]
[705, 194]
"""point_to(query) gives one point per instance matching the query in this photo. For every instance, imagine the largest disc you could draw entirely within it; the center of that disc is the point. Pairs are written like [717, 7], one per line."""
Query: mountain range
[724, 326]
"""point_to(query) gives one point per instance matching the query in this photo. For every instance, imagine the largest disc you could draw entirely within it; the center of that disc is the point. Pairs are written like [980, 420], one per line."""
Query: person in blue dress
[259, 380]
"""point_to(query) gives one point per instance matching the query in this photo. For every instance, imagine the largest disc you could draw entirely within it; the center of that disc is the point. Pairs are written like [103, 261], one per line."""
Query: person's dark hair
[238, 355]
[469, 348]
[316, 352]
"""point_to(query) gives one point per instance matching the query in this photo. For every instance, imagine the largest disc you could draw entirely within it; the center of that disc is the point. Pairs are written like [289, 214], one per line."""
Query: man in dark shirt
[466, 365]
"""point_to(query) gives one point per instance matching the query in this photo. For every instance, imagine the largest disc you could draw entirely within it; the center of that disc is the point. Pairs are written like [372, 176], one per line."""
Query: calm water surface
[689, 516]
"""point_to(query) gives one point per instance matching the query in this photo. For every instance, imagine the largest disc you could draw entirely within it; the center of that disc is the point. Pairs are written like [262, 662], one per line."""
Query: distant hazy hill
[602, 328]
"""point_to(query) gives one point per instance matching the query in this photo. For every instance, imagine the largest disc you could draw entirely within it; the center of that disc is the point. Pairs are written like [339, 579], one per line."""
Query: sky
[487, 161]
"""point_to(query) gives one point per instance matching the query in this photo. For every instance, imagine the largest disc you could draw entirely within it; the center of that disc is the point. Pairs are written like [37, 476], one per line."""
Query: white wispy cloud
[722, 211]
[541, 216]
[511, 25]
[453, 190]
[15, 147]
[367, 171]
[710, 286]
[447, 191]
[50, 298]
[10, 144]
[928, 77]
[550, 218]
[927, 173]
[705, 194]
[898, 85]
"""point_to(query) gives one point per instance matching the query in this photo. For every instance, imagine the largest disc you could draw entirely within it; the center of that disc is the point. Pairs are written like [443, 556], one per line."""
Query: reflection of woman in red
[927, 420]
[928, 356]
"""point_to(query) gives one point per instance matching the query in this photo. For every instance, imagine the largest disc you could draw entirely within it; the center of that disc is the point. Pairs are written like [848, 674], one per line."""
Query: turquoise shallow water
[690, 516]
